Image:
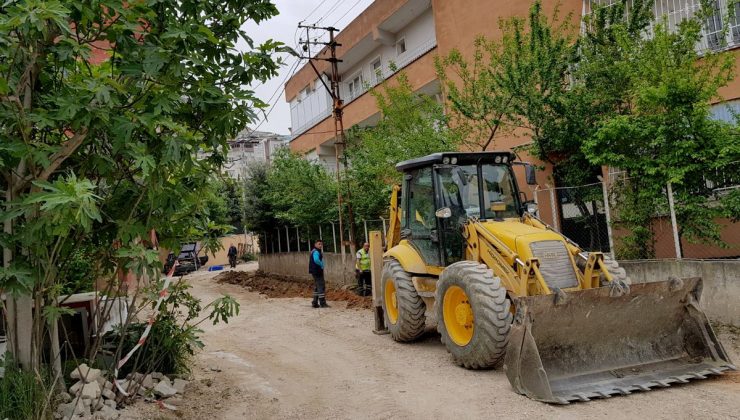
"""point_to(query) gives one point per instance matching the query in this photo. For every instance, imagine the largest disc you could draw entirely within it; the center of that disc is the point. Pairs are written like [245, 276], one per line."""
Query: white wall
[420, 36]
[308, 110]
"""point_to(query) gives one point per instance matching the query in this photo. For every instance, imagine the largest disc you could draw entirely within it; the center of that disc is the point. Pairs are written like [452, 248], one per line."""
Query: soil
[280, 358]
[287, 287]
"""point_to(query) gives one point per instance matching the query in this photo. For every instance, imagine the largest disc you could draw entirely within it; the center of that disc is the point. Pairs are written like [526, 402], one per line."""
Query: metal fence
[297, 239]
[588, 214]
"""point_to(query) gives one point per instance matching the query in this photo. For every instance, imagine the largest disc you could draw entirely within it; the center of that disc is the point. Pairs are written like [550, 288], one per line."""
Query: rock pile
[94, 397]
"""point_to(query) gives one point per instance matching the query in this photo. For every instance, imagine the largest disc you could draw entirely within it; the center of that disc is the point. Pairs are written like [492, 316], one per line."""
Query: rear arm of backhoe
[393, 236]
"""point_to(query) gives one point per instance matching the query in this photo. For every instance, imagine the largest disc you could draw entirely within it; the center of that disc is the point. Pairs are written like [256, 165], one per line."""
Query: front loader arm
[520, 278]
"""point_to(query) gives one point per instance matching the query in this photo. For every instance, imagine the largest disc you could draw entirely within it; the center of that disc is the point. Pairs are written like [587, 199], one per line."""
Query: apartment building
[251, 146]
[410, 33]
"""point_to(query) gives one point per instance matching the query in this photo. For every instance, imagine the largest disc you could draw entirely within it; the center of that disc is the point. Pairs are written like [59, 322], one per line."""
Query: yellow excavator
[465, 248]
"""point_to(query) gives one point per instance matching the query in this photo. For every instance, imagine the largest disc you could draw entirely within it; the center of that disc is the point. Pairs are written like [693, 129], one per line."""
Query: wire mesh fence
[595, 216]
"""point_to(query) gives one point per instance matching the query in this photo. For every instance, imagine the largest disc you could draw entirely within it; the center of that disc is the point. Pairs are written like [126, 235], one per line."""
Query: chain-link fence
[598, 217]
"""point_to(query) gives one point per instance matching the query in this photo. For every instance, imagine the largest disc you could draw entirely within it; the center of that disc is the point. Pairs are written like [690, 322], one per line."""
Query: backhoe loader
[465, 248]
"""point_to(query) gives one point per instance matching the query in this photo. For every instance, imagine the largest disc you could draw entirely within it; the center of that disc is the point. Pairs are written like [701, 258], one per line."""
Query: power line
[329, 12]
[314, 9]
[348, 10]
[289, 74]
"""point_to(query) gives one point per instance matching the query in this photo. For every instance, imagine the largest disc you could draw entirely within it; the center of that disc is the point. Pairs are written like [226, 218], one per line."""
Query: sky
[337, 13]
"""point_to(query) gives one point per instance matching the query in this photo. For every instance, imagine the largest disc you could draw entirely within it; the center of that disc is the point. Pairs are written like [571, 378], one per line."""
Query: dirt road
[282, 359]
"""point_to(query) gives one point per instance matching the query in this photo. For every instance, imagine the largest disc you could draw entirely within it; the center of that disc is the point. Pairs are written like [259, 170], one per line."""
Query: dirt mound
[276, 286]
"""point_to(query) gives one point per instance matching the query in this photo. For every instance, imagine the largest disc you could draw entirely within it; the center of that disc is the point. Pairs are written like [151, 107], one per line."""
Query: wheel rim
[391, 303]
[458, 316]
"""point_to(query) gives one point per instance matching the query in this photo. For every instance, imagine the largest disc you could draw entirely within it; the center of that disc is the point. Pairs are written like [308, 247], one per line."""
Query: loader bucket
[587, 344]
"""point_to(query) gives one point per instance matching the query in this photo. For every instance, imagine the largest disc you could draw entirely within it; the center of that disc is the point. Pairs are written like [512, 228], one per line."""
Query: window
[401, 46]
[355, 87]
[714, 27]
[377, 71]
[735, 24]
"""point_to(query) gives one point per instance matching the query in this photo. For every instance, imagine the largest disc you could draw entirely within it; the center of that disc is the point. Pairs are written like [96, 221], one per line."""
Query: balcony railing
[404, 60]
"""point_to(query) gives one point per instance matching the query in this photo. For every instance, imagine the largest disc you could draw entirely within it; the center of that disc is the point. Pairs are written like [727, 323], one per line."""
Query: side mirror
[443, 213]
[529, 172]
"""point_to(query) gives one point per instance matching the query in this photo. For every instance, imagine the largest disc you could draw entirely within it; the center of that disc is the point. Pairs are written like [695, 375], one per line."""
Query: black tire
[411, 320]
[617, 272]
[491, 309]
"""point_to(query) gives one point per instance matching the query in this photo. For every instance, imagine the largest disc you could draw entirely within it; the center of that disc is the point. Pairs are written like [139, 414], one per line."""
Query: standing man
[362, 270]
[316, 268]
[232, 256]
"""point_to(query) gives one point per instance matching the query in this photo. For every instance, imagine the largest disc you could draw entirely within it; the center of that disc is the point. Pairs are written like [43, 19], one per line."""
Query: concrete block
[180, 385]
[90, 391]
[164, 389]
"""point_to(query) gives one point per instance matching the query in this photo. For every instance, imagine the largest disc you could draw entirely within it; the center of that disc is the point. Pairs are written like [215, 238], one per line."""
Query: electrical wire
[345, 13]
[329, 12]
[281, 89]
[314, 9]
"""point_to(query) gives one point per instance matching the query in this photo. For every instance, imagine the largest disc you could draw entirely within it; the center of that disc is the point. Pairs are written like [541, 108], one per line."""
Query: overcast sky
[337, 13]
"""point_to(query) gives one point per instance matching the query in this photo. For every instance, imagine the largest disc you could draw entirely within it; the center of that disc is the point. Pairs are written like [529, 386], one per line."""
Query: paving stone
[180, 385]
[163, 389]
[85, 373]
[107, 393]
[147, 382]
[90, 391]
[75, 389]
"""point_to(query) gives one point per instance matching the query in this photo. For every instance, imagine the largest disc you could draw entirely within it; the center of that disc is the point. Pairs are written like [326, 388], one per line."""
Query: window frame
[401, 42]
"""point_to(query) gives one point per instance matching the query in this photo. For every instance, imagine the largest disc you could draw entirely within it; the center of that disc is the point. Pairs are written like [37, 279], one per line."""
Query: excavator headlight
[497, 159]
[504, 159]
[446, 161]
[453, 161]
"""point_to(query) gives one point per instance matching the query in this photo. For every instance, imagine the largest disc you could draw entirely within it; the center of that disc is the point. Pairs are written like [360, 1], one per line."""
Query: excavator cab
[504, 286]
[444, 191]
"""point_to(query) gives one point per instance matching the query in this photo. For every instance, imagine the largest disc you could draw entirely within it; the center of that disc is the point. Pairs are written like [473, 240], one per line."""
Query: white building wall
[420, 37]
[307, 110]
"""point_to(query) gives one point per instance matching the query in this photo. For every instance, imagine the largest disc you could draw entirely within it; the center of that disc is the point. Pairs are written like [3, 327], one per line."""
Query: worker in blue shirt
[316, 268]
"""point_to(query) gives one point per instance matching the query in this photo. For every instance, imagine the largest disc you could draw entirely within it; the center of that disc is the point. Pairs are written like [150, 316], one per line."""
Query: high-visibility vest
[363, 260]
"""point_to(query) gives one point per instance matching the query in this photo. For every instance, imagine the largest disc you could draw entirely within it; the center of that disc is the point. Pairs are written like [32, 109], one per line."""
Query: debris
[180, 385]
[215, 369]
[147, 382]
[107, 393]
[85, 373]
[72, 409]
[107, 413]
[157, 375]
[90, 391]
[75, 389]
[164, 389]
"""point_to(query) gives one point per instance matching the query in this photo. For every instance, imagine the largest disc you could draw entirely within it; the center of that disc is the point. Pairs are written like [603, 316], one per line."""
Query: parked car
[188, 259]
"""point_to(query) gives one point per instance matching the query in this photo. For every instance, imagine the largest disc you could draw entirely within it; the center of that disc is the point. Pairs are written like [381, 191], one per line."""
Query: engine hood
[519, 236]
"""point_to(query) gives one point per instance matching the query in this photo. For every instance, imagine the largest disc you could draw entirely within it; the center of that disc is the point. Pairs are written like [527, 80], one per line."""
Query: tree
[258, 214]
[301, 192]
[103, 107]
[659, 129]
[411, 125]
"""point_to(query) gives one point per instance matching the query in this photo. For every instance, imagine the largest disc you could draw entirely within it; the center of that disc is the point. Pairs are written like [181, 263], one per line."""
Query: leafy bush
[248, 256]
[175, 336]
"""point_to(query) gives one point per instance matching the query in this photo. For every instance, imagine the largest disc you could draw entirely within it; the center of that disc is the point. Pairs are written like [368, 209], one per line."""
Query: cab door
[421, 224]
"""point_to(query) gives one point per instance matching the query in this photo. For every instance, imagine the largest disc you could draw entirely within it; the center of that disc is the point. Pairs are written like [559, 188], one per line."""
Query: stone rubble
[93, 396]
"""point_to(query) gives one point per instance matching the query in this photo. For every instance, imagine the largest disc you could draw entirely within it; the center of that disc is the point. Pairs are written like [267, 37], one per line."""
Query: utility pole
[337, 111]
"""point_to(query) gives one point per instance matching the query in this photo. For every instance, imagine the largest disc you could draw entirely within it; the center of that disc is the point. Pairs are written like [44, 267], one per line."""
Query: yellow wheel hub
[391, 303]
[458, 316]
